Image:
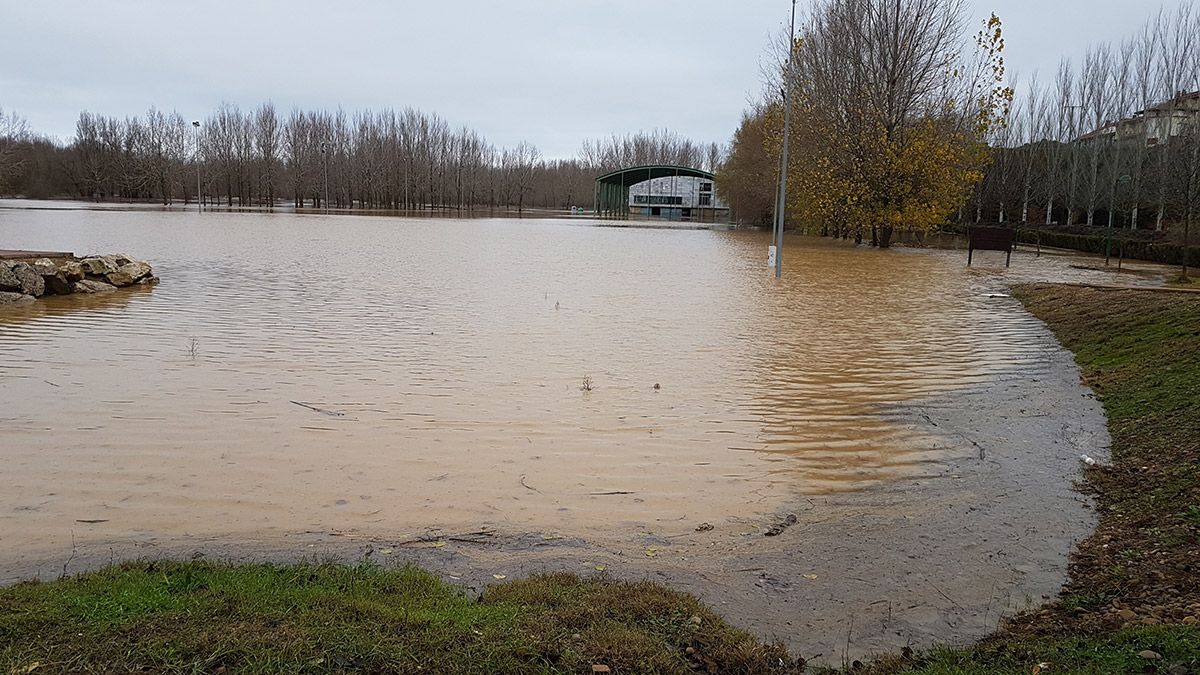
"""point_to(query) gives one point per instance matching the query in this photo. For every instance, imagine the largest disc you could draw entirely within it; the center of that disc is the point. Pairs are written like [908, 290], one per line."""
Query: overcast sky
[554, 72]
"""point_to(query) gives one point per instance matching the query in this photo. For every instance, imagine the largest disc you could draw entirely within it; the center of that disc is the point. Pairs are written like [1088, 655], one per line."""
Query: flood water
[446, 362]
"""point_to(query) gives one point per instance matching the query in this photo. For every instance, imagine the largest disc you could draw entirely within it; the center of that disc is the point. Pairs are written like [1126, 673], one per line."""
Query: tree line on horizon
[388, 159]
[901, 119]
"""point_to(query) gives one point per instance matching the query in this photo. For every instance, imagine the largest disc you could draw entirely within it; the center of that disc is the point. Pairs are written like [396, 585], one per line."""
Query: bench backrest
[990, 238]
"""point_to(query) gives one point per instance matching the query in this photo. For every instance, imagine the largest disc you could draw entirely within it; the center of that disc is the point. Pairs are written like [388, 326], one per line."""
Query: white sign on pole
[771, 256]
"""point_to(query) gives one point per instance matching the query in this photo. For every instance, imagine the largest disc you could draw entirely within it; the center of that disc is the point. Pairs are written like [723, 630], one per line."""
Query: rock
[778, 528]
[71, 270]
[1149, 655]
[45, 267]
[1190, 620]
[91, 286]
[1127, 614]
[98, 266]
[136, 269]
[129, 273]
[119, 278]
[148, 280]
[57, 285]
[1177, 669]
[7, 298]
[29, 279]
[695, 621]
[8, 280]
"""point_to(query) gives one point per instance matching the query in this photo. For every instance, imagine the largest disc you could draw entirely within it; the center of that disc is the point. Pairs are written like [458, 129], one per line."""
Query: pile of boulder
[25, 280]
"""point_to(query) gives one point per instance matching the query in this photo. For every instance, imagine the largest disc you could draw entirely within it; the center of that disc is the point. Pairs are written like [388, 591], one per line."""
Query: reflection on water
[444, 360]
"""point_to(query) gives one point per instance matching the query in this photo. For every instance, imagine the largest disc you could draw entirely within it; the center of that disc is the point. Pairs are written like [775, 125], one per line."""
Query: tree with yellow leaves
[890, 121]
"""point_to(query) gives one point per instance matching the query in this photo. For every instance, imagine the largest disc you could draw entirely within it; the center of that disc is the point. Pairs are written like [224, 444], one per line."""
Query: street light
[783, 169]
[325, 157]
[1112, 207]
[199, 202]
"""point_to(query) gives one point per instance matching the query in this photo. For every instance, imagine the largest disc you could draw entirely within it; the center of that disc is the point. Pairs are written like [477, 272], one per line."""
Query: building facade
[1155, 125]
[677, 198]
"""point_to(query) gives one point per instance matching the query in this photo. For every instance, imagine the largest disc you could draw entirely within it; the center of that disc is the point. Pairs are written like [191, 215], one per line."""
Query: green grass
[1107, 654]
[201, 617]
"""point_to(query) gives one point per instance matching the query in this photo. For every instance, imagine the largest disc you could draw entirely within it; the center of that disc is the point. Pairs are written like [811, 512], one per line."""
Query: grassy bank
[1132, 604]
[208, 618]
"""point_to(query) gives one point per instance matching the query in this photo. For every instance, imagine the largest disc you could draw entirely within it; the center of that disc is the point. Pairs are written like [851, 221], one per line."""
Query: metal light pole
[325, 156]
[787, 125]
[199, 200]
[1112, 208]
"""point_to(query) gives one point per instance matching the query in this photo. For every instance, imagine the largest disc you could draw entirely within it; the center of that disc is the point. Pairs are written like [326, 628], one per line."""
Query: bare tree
[14, 130]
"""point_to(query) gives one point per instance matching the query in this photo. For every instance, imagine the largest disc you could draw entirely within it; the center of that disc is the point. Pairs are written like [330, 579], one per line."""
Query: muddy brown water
[441, 367]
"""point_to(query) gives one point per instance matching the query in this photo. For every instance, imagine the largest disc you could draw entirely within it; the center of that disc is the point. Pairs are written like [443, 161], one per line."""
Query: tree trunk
[885, 236]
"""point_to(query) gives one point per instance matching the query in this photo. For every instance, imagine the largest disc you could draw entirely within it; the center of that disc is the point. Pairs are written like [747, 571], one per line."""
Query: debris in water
[778, 528]
[331, 413]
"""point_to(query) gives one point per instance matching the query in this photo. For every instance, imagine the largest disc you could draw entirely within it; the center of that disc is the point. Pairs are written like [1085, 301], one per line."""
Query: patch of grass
[167, 617]
[1107, 654]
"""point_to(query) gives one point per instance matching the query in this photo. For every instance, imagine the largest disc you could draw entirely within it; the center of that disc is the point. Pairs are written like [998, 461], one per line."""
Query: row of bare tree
[389, 159]
[1113, 140]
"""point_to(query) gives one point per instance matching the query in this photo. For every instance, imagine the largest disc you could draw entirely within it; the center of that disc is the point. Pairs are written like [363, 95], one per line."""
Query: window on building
[706, 187]
[706, 200]
[658, 200]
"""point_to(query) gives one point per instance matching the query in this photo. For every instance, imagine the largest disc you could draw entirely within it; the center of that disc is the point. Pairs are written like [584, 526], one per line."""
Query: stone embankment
[26, 280]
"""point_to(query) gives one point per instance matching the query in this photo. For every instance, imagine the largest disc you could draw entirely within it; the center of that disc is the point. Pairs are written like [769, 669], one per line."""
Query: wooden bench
[990, 239]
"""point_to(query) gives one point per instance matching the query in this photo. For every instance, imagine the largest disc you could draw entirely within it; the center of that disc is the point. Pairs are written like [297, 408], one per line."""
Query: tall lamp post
[781, 198]
[1112, 207]
[199, 200]
[325, 161]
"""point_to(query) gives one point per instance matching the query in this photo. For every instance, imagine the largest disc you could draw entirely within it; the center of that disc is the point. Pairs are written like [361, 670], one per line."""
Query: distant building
[1154, 125]
[677, 198]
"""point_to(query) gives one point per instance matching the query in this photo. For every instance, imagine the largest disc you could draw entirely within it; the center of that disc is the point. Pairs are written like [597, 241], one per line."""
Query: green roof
[638, 174]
